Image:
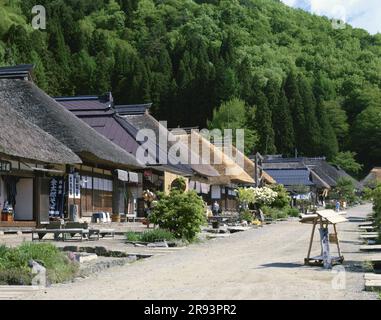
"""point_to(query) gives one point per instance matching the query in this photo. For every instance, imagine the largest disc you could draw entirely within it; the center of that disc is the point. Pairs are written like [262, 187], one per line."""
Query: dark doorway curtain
[10, 185]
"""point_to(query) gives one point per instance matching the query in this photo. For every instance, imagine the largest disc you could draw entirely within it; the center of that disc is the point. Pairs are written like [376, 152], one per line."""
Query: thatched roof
[40, 109]
[228, 170]
[249, 166]
[372, 178]
[140, 119]
[267, 178]
[24, 140]
[324, 173]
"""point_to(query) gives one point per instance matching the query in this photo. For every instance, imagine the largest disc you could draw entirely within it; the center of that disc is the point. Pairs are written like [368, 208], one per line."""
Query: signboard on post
[56, 196]
[327, 261]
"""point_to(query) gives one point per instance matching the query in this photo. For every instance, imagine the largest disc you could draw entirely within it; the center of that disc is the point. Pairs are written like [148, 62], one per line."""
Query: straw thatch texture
[228, 170]
[21, 139]
[373, 178]
[40, 109]
[144, 121]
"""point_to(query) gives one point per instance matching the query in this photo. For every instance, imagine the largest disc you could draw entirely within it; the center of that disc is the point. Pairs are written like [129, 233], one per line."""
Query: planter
[215, 224]
[115, 218]
[7, 217]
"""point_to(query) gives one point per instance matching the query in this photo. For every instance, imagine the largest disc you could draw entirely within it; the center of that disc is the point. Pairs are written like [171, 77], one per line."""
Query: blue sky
[364, 14]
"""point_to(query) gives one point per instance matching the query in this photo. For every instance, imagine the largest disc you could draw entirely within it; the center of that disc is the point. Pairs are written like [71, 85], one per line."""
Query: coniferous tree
[263, 117]
[329, 147]
[297, 110]
[311, 141]
[272, 94]
[283, 126]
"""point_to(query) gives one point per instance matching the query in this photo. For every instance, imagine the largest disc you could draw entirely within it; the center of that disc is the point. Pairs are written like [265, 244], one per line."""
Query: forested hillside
[304, 84]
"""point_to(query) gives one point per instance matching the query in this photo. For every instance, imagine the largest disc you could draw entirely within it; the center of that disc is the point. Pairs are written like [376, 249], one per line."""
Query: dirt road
[265, 263]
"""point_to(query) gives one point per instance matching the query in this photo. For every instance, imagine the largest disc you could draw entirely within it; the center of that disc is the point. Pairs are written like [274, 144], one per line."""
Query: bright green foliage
[150, 236]
[283, 199]
[156, 235]
[233, 114]
[14, 263]
[345, 190]
[246, 215]
[292, 212]
[181, 213]
[346, 161]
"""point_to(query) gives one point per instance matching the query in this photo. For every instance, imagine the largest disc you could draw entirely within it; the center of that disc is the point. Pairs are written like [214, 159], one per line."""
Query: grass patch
[150, 236]
[14, 269]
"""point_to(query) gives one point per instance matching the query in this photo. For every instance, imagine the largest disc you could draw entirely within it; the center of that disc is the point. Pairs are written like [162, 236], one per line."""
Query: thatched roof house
[373, 178]
[25, 141]
[98, 113]
[139, 117]
[43, 111]
[323, 174]
[229, 171]
[249, 167]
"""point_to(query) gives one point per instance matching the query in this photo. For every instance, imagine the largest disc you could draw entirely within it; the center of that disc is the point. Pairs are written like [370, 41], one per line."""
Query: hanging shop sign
[56, 196]
[5, 166]
[74, 185]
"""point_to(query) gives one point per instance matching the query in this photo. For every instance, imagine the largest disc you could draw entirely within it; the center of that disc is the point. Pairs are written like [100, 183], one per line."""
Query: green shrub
[292, 212]
[157, 235]
[246, 215]
[330, 206]
[182, 213]
[133, 236]
[275, 213]
[283, 199]
[14, 267]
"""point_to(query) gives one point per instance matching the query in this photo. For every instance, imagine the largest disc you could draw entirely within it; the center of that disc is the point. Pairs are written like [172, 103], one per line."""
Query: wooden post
[115, 195]
[337, 241]
[311, 240]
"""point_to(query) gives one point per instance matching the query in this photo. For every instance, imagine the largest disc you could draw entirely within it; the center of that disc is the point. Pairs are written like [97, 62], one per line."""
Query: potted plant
[115, 217]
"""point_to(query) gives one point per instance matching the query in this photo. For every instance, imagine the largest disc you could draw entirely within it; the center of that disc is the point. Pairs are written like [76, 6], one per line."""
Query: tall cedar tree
[297, 110]
[311, 141]
[263, 117]
[283, 126]
[328, 141]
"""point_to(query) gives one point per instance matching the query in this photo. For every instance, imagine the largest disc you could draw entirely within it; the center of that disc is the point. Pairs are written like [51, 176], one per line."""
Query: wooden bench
[107, 232]
[85, 226]
[41, 233]
[130, 217]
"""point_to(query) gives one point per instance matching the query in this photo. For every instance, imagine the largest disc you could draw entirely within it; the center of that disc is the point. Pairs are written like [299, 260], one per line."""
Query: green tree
[297, 110]
[182, 213]
[263, 117]
[366, 135]
[311, 141]
[329, 147]
[232, 115]
[346, 161]
[283, 127]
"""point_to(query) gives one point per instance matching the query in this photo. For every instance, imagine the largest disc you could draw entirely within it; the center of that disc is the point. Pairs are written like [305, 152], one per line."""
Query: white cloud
[364, 14]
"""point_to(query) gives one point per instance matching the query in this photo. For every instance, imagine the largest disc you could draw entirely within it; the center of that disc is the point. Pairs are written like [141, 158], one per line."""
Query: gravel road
[265, 263]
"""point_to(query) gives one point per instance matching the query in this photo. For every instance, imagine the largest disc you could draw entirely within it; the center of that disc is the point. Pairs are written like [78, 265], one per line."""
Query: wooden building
[29, 157]
[89, 187]
[230, 174]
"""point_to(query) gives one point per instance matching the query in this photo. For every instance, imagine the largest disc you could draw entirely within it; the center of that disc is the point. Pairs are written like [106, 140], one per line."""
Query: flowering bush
[259, 196]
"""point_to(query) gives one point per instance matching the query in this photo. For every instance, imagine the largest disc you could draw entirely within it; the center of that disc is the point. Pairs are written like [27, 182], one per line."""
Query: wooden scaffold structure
[324, 219]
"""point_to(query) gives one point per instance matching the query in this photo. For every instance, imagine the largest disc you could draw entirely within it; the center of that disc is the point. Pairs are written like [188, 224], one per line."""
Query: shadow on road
[282, 265]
